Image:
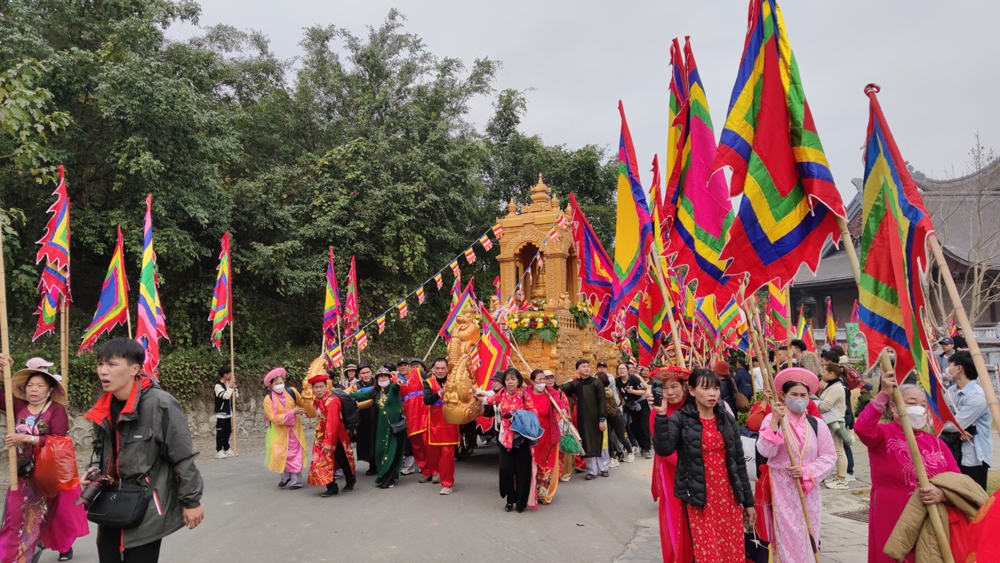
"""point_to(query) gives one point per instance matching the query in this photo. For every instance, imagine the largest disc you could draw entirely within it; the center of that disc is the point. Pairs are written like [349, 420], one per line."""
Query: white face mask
[42, 401]
[917, 416]
[948, 374]
[279, 388]
[383, 383]
[540, 387]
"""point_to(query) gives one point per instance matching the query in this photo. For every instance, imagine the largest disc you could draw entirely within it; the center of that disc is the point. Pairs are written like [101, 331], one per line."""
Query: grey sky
[935, 62]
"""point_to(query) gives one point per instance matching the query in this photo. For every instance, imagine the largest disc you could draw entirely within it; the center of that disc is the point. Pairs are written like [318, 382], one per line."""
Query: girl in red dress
[711, 476]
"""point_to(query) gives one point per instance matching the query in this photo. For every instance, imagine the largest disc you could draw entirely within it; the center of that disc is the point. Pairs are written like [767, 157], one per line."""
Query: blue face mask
[797, 406]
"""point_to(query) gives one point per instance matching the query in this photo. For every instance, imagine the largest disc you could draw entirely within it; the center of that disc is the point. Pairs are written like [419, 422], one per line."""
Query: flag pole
[128, 319]
[786, 432]
[232, 367]
[64, 342]
[935, 511]
[428, 354]
[970, 337]
[8, 388]
[658, 268]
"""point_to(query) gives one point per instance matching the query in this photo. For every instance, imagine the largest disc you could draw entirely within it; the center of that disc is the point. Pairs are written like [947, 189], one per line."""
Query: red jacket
[413, 404]
[439, 432]
[330, 426]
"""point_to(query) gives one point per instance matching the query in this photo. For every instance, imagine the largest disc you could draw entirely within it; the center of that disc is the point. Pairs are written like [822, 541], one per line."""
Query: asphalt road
[249, 519]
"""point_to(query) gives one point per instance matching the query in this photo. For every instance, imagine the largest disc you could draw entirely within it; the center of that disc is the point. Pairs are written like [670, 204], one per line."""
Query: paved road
[249, 519]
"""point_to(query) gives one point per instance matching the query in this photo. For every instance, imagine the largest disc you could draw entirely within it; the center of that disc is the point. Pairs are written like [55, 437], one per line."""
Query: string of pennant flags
[334, 348]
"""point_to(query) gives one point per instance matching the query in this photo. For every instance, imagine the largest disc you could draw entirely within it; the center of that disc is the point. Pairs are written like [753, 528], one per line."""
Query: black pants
[340, 456]
[109, 549]
[223, 430]
[515, 474]
[638, 428]
[617, 423]
[977, 473]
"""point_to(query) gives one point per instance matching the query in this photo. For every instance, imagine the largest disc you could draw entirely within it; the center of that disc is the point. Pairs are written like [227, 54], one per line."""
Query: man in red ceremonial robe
[416, 413]
[441, 437]
[332, 448]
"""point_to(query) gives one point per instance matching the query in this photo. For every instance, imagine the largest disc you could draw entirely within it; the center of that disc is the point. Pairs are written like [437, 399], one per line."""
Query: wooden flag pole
[670, 310]
[232, 366]
[64, 342]
[788, 325]
[8, 388]
[970, 337]
[785, 434]
[935, 511]
[128, 320]
[428, 354]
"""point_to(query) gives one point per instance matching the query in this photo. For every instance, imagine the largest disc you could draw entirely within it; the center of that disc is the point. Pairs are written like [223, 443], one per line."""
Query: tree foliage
[363, 145]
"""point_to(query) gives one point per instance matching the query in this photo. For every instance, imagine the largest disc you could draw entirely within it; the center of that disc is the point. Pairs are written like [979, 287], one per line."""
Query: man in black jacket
[141, 433]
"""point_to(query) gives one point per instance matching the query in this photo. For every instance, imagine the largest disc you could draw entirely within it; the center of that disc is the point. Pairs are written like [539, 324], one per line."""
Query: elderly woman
[30, 517]
[894, 478]
[285, 441]
[812, 457]
[516, 483]
[387, 404]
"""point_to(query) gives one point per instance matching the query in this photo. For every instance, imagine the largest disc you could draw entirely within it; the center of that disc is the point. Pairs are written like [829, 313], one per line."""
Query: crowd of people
[718, 482]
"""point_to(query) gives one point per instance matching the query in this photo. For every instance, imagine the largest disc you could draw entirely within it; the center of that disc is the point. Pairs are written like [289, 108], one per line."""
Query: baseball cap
[947, 341]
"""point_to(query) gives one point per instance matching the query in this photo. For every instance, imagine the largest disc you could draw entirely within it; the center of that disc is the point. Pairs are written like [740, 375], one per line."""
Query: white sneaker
[635, 449]
[445, 490]
[850, 478]
[220, 455]
[407, 471]
[838, 485]
[564, 479]
[614, 463]
[630, 458]
[230, 453]
[437, 479]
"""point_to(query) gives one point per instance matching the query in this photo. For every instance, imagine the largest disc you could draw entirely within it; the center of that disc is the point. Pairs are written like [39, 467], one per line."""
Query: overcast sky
[936, 63]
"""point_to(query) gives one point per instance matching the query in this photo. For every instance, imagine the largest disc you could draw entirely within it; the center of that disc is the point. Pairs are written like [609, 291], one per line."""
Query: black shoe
[605, 474]
[66, 556]
[295, 487]
[509, 507]
[330, 491]
[590, 477]
[349, 486]
[520, 509]
[282, 484]
[578, 470]
[371, 471]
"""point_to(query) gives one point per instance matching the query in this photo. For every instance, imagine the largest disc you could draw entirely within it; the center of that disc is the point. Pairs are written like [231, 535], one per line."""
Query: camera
[657, 389]
[97, 483]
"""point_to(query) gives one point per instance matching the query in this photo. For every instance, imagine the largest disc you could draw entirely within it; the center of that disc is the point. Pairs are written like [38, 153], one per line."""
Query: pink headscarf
[272, 375]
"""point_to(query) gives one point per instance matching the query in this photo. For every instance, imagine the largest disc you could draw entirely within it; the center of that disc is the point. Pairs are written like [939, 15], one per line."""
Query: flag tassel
[935, 511]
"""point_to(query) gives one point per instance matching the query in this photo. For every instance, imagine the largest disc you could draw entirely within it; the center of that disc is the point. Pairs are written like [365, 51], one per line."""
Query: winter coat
[913, 529]
[152, 429]
[681, 432]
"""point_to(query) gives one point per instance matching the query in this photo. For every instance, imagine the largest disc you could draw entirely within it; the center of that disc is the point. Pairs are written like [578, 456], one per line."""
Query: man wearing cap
[332, 447]
[441, 436]
[947, 350]
[415, 411]
[364, 436]
[590, 415]
[727, 387]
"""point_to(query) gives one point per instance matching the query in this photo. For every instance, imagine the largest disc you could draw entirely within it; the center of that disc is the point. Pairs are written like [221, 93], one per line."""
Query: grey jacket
[153, 437]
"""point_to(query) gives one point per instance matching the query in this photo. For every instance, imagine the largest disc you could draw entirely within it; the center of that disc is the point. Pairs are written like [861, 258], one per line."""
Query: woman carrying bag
[35, 517]
[390, 427]
[516, 483]
[551, 406]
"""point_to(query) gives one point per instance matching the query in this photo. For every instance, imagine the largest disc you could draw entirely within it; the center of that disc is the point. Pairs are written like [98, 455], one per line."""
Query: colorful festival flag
[952, 327]
[112, 306]
[831, 324]
[331, 308]
[496, 286]
[486, 242]
[470, 256]
[708, 314]
[563, 222]
[222, 309]
[466, 300]
[55, 242]
[633, 227]
[895, 229]
[554, 235]
[381, 323]
[456, 291]
[474, 361]
[420, 295]
[402, 309]
[151, 324]
[779, 312]
[854, 312]
[494, 354]
[698, 199]
[804, 330]
[438, 280]
[455, 270]
[790, 204]
[335, 356]
[650, 319]
[362, 339]
[352, 315]
[47, 311]
[497, 231]
[598, 281]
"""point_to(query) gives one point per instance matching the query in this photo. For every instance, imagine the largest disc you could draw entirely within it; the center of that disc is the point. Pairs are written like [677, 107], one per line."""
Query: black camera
[97, 483]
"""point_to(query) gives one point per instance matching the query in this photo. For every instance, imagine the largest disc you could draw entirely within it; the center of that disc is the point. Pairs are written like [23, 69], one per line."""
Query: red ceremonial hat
[721, 368]
[670, 373]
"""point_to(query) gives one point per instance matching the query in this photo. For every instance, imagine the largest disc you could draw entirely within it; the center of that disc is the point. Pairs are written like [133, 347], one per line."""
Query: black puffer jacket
[682, 433]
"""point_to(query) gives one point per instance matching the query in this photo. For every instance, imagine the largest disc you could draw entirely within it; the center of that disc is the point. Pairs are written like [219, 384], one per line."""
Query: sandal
[66, 556]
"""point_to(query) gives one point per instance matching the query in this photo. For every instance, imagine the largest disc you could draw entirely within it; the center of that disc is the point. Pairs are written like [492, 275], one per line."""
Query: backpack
[853, 379]
[348, 409]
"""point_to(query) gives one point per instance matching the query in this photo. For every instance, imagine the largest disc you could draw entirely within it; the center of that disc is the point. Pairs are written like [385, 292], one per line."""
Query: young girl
[812, 457]
[675, 534]
[711, 470]
[832, 406]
